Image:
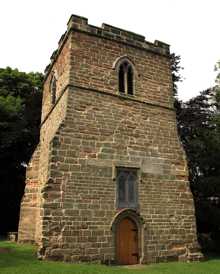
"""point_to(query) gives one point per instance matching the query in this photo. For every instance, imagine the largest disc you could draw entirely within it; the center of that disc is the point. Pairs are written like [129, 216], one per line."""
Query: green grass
[21, 259]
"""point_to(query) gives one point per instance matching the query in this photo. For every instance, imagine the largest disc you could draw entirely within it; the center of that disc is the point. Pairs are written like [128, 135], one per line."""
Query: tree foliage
[199, 128]
[217, 86]
[175, 69]
[20, 108]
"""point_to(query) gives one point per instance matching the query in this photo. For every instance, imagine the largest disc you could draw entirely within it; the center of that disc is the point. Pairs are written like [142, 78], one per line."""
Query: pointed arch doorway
[127, 242]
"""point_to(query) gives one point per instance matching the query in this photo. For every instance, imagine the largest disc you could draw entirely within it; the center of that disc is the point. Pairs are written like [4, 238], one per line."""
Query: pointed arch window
[126, 78]
[127, 195]
[53, 88]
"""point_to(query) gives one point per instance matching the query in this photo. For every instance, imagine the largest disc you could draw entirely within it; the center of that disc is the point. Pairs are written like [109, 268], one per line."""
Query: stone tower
[108, 181]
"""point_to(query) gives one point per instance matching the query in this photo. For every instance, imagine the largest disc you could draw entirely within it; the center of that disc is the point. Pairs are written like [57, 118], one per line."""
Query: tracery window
[127, 196]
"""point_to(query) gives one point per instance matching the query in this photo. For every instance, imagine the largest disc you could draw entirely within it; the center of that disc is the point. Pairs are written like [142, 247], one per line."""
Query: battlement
[80, 24]
[110, 32]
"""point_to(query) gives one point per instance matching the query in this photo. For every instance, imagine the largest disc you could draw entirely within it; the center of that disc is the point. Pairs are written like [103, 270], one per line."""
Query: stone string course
[70, 198]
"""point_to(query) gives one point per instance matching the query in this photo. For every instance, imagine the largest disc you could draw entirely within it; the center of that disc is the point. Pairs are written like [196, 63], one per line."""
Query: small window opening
[53, 88]
[121, 80]
[125, 76]
[126, 187]
[130, 80]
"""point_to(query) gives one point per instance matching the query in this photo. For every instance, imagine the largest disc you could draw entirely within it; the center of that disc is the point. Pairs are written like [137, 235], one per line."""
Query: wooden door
[127, 242]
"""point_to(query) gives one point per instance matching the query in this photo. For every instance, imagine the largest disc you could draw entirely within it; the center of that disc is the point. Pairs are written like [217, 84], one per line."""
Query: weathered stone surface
[70, 206]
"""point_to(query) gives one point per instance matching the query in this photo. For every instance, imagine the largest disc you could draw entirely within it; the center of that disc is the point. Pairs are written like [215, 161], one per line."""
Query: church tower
[108, 181]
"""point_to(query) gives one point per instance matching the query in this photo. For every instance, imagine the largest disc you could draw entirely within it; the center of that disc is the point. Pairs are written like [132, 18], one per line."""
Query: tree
[217, 81]
[20, 110]
[175, 69]
[199, 129]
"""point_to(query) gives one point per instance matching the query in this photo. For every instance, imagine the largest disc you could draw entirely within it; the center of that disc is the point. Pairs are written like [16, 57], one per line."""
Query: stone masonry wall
[61, 68]
[51, 120]
[30, 201]
[100, 133]
[48, 132]
[30, 225]
[92, 66]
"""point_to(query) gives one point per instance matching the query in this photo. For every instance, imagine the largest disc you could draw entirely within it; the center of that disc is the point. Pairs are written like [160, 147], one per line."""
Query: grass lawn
[16, 258]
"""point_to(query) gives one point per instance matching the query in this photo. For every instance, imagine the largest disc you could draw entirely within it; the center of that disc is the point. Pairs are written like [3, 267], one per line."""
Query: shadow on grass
[211, 256]
[12, 254]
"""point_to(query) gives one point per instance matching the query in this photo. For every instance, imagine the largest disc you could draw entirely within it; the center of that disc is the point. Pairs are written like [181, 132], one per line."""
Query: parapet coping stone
[80, 24]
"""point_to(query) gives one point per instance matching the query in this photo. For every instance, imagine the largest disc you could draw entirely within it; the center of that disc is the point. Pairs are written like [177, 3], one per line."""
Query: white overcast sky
[30, 30]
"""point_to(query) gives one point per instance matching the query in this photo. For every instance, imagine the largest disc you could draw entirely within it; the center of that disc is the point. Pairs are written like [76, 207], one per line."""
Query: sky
[30, 30]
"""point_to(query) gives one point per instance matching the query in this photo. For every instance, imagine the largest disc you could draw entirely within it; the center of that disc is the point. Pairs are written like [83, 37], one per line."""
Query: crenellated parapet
[80, 24]
[110, 32]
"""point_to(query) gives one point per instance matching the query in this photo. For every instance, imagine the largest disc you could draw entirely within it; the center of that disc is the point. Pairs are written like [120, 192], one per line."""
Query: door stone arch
[127, 227]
